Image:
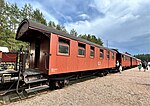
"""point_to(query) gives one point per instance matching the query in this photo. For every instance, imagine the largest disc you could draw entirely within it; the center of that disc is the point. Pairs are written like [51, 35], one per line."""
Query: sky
[121, 24]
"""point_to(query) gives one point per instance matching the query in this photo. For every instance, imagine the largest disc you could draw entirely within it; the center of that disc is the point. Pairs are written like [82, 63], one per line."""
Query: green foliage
[92, 38]
[143, 57]
[63, 29]
[73, 32]
[52, 24]
[58, 27]
[38, 16]
[10, 17]
[26, 12]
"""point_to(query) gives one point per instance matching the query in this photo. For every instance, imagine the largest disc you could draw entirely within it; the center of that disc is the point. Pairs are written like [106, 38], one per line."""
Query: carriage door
[37, 53]
[44, 54]
[130, 61]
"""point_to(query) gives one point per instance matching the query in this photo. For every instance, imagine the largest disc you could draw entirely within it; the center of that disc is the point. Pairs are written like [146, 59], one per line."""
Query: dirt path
[130, 88]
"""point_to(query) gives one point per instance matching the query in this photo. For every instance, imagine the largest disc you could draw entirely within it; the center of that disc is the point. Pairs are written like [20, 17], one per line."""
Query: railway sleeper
[8, 96]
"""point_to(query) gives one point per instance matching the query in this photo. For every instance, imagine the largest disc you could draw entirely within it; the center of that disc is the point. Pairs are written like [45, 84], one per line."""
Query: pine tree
[73, 32]
[38, 16]
[58, 27]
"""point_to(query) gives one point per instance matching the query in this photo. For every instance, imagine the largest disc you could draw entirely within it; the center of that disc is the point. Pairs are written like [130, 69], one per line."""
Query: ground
[130, 88]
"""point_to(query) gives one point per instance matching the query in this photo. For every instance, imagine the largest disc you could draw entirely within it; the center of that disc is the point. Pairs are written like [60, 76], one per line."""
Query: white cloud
[84, 16]
[117, 13]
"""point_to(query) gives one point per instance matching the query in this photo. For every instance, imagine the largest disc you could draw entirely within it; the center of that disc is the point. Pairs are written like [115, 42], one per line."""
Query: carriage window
[108, 55]
[101, 53]
[112, 55]
[81, 49]
[123, 57]
[126, 58]
[92, 52]
[63, 46]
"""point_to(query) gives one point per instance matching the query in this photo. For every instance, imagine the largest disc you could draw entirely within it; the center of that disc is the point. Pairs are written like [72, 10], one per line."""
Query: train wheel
[105, 72]
[66, 82]
[52, 85]
[59, 84]
[100, 74]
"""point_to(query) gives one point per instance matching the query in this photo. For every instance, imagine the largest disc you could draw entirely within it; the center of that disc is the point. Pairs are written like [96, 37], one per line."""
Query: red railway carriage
[125, 60]
[8, 60]
[81, 56]
[135, 61]
[55, 52]
[9, 57]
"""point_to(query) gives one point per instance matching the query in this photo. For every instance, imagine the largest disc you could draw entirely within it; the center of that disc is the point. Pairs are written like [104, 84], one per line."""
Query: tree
[26, 12]
[58, 27]
[63, 29]
[143, 57]
[91, 38]
[38, 17]
[50, 24]
[10, 16]
[99, 41]
[14, 17]
[73, 32]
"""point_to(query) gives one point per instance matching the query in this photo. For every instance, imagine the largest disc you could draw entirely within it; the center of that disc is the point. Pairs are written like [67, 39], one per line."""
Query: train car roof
[129, 55]
[126, 54]
[26, 25]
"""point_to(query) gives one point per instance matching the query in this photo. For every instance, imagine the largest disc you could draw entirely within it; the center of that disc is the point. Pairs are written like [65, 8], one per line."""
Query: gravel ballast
[130, 88]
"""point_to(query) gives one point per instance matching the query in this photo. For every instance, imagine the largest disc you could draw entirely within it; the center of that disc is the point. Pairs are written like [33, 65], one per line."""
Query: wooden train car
[55, 52]
[57, 57]
[9, 57]
[126, 60]
[8, 60]
[134, 62]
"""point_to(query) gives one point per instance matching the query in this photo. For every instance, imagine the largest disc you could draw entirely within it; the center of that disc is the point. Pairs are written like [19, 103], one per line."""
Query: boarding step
[37, 88]
[36, 81]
